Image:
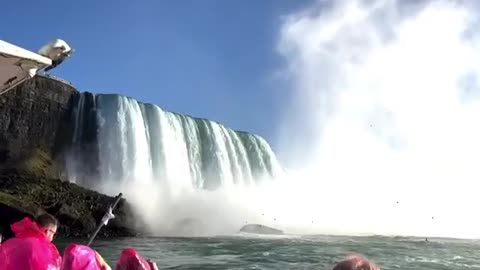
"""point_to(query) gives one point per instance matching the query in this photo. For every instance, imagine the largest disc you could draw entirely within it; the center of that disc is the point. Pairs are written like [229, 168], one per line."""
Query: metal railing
[53, 77]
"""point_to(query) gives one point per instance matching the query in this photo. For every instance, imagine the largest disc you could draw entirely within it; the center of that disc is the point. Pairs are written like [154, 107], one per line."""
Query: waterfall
[141, 143]
[171, 167]
[82, 161]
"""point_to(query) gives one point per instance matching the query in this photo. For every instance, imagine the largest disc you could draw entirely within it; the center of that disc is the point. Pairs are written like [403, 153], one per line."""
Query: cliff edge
[35, 130]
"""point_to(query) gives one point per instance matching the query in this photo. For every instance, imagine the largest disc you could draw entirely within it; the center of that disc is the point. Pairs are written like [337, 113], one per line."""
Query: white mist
[385, 98]
[388, 94]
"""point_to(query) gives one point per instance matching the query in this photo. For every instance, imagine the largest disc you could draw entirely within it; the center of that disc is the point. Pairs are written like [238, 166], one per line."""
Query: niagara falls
[270, 135]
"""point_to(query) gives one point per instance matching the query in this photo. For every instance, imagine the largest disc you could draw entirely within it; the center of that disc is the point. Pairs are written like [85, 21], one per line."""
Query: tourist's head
[130, 260]
[48, 223]
[355, 262]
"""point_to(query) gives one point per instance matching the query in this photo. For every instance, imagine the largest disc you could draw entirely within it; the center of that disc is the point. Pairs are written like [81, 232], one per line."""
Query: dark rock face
[260, 229]
[36, 135]
[78, 210]
[34, 115]
[9, 215]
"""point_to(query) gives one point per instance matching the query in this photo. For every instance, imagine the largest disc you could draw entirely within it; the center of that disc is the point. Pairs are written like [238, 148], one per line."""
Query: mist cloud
[385, 109]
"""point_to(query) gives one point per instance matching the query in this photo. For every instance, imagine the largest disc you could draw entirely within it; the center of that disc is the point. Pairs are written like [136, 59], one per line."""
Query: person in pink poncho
[130, 260]
[32, 247]
[355, 262]
[81, 257]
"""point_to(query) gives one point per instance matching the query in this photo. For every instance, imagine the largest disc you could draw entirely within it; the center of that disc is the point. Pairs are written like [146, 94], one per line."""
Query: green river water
[295, 252]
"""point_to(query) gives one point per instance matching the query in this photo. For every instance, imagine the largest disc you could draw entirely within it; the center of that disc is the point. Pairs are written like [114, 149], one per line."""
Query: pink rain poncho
[80, 257]
[130, 260]
[29, 250]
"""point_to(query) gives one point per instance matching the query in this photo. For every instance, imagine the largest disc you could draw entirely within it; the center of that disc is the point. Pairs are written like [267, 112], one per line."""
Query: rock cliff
[33, 119]
[35, 131]
[78, 210]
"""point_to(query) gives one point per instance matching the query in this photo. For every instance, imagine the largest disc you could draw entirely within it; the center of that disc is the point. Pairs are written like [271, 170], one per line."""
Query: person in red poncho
[32, 247]
[130, 260]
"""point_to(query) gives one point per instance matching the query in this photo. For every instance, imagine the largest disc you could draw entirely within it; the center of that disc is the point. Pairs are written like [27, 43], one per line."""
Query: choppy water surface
[297, 252]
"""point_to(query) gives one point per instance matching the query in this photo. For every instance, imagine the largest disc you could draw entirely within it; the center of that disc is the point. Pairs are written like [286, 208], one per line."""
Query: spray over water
[386, 99]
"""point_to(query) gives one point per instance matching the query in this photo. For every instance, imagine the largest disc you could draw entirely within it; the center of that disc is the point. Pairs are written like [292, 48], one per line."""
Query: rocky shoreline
[78, 210]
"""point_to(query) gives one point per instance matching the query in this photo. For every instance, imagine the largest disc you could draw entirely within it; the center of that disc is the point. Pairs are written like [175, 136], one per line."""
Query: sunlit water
[291, 252]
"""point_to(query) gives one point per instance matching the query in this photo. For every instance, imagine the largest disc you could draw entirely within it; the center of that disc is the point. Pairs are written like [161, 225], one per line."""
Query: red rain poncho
[80, 257]
[29, 250]
[130, 260]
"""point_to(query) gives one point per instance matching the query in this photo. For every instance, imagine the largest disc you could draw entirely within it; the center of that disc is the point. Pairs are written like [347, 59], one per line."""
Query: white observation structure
[18, 64]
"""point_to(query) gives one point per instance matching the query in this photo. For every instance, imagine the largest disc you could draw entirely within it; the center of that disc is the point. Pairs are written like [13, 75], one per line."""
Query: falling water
[158, 157]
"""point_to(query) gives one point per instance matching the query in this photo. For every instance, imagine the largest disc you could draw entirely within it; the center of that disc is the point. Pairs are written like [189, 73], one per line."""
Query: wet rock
[260, 229]
[78, 210]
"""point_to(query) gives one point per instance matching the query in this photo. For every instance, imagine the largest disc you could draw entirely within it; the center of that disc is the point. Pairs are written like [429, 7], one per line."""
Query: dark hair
[45, 220]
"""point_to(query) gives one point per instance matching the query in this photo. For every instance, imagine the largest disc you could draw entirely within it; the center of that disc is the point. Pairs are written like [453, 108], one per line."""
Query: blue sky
[210, 58]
